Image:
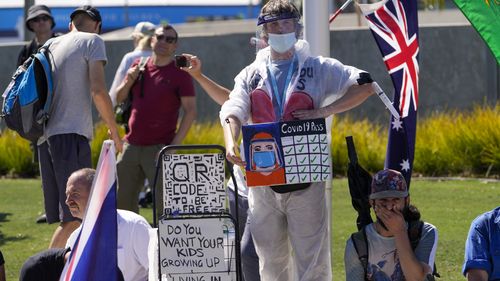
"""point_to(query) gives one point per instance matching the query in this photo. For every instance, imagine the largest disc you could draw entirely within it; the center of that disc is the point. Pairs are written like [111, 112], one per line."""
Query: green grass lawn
[450, 205]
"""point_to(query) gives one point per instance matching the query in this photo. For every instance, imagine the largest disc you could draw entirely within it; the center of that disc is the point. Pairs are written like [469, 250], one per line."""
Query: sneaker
[41, 219]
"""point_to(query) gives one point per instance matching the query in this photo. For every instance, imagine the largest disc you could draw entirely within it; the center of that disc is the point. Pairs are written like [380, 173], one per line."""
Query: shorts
[59, 157]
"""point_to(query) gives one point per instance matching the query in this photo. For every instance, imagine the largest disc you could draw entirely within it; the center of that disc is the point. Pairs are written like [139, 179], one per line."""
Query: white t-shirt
[383, 259]
[133, 240]
[71, 110]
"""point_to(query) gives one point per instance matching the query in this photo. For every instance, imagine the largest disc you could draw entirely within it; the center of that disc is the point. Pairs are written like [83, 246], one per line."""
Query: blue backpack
[28, 97]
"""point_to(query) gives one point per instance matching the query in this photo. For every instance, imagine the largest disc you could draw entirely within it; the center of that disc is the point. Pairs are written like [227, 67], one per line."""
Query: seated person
[482, 248]
[133, 229]
[133, 238]
[391, 255]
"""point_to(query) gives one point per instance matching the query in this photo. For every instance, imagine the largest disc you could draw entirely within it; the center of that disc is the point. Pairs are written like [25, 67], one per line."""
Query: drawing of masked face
[264, 152]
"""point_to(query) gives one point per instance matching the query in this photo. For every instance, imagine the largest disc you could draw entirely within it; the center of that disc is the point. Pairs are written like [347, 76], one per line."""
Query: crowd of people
[284, 230]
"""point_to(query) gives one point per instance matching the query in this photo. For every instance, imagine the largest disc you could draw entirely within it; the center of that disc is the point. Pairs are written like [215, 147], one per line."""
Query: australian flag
[394, 24]
[94, 254]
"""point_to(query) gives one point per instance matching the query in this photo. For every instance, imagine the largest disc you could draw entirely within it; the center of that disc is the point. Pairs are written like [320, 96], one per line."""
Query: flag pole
[346, 3]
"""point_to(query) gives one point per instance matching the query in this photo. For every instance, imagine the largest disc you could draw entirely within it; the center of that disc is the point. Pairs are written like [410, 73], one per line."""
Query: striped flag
[94, 254]
[394, 24]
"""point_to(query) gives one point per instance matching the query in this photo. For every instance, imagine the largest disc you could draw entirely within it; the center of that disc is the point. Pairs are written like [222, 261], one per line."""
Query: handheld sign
[286, 152]
[193, 183]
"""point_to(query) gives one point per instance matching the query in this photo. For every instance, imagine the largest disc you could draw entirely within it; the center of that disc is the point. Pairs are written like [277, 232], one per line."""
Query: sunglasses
[42, 18]
[168, 39]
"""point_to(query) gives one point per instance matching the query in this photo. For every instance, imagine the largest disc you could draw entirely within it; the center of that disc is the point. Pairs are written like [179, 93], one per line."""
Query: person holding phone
[158, 95]
[249, 258]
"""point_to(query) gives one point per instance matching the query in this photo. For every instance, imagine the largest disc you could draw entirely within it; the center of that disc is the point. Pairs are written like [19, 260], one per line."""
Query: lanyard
[281, 102]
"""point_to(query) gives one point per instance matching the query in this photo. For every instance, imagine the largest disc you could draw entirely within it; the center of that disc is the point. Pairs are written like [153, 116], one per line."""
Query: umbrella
[359, 186]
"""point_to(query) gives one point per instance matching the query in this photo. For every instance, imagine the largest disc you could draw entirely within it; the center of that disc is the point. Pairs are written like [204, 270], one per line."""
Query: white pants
[295, 221]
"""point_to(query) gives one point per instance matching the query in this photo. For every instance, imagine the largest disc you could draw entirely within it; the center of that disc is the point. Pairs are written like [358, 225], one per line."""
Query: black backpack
[360, 243]
[28, 98]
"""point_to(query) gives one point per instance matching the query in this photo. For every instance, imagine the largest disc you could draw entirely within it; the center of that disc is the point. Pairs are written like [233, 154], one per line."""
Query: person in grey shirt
[390, 254]
[77, 60]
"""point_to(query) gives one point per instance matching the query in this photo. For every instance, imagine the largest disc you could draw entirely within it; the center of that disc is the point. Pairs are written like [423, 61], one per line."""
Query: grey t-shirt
[383, 259]
[71, 111]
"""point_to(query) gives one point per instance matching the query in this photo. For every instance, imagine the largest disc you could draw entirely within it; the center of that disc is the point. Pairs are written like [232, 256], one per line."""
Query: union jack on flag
[394, 24]
[94, 253]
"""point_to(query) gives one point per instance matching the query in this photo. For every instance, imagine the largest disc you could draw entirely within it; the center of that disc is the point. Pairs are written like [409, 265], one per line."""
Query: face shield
[264, 155]
[281, 25]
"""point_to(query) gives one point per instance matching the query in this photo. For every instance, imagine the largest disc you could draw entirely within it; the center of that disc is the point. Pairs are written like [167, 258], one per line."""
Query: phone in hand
[181, 61]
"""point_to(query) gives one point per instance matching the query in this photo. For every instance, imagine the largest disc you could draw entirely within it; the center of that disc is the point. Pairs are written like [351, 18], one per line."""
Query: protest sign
[286, 152]
[200, 249]
[193, 183]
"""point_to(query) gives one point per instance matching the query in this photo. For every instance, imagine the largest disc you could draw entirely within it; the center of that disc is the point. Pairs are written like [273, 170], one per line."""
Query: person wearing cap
[390, 253]
[159, 94]
[283, 79]
[78, 59]
[141, 36]
[482, 248]
[40, 22]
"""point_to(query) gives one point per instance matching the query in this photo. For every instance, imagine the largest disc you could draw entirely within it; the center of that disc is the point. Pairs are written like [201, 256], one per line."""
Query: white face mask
[282, 42]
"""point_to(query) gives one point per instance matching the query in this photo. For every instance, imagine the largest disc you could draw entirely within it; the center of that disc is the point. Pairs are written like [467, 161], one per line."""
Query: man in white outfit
[286, 83]
[133, 230]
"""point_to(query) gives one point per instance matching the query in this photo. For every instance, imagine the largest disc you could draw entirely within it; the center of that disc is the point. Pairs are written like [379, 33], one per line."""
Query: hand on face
[390, 213]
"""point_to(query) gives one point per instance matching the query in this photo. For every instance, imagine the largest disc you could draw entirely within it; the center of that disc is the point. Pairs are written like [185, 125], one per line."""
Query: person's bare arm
[102, 100]
[217, 92]
[355, 95]
[123, 89]
[231, 128]
[188, 105]
[477, 275]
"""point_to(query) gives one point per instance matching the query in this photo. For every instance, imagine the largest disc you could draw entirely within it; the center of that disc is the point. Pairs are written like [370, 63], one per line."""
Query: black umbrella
[359, 186]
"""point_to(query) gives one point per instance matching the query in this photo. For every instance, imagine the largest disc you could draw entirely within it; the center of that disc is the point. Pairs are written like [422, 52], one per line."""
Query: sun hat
[38, 10]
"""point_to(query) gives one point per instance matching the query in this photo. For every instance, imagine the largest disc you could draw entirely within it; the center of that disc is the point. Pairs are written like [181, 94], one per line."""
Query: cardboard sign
[286, 152]
[197, 249]
[193, 183]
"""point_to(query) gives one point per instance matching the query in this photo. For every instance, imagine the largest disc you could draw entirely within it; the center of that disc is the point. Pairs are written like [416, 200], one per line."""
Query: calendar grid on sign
[306, 158]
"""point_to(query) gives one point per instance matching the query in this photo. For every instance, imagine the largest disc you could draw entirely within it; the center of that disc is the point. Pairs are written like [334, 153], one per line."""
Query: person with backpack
[482, 248]
[41, 22]
[77, 60]
[158, 90]
[397, 246]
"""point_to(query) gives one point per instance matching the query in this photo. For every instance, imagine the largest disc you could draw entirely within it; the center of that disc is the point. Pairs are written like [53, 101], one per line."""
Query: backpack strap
[360, 243]
[142, 68]
[415, 228]
[43, 56]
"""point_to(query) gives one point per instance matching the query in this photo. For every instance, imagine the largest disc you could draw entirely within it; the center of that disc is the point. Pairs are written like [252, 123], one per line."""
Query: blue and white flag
[394, 24]
[94, 254]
